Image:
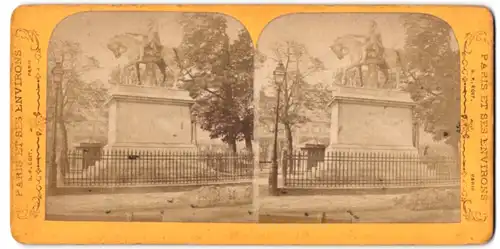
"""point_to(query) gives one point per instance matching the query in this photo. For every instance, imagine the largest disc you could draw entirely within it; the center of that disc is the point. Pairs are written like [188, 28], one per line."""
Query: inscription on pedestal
[371, 119]
[142, 117]
[375, 125]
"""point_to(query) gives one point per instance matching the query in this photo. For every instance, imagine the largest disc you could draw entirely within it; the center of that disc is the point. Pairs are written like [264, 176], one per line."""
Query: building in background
[316, 131]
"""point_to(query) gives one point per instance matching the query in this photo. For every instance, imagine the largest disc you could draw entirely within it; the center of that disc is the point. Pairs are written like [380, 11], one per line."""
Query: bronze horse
[351, 46]
[138, 51]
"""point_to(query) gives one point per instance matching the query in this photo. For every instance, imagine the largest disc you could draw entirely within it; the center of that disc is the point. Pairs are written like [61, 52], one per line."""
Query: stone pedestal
[370, 119]
[150, 118]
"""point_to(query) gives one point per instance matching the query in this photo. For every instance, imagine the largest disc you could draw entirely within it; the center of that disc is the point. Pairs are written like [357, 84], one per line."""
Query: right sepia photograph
[357, 119]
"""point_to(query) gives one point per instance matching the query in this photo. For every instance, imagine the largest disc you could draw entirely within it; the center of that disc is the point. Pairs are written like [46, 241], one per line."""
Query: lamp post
[279, 76]
[57, 76]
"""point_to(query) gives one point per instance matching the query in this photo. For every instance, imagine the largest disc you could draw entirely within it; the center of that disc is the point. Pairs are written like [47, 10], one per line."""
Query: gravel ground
[170, 207]
[324, 203]
[148, 207]
[71, 204]
[394, 215]
[232, 214]
[361, 208]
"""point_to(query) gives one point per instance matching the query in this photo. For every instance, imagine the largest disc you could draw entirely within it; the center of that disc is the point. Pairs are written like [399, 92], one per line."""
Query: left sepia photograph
[150, 118]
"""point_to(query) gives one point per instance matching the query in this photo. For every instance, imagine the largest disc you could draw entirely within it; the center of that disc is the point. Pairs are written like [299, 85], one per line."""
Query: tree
[432, 67]
[298, 97]
[218, 73]
[78, 101]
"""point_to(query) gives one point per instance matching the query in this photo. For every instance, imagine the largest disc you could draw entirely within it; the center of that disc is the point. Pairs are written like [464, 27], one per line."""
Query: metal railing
[368, 170]
[132, 167]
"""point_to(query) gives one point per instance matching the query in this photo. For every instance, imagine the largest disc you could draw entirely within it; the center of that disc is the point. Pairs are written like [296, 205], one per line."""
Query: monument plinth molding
[150, 118]
[372, 119]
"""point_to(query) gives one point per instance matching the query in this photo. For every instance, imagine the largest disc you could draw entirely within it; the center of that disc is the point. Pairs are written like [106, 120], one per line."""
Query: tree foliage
[433, 68]
[300, 98]
[218, 73]
[73, 102]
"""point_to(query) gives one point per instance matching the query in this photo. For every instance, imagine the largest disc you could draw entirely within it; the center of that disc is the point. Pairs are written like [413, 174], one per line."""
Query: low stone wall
[210, 196]
[430, 199]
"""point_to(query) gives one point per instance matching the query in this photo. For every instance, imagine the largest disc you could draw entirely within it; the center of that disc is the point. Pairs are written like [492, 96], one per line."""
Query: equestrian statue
[145, 49]
[364, 50]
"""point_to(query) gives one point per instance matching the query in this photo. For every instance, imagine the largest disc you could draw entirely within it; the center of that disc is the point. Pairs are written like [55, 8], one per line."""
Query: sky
[93, 30]
[318, 32]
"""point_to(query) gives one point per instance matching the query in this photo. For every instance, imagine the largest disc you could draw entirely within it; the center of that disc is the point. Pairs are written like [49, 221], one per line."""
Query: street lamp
[279, 76]
[57, 76]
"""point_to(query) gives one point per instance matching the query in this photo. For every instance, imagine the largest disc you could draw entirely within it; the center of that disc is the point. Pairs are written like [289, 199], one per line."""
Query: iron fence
[132, 167]
[342, 169]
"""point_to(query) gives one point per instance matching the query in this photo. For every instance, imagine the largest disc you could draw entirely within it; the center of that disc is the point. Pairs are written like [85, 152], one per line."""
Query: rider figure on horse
[142, 49]
[152, 45]
[373, 48]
